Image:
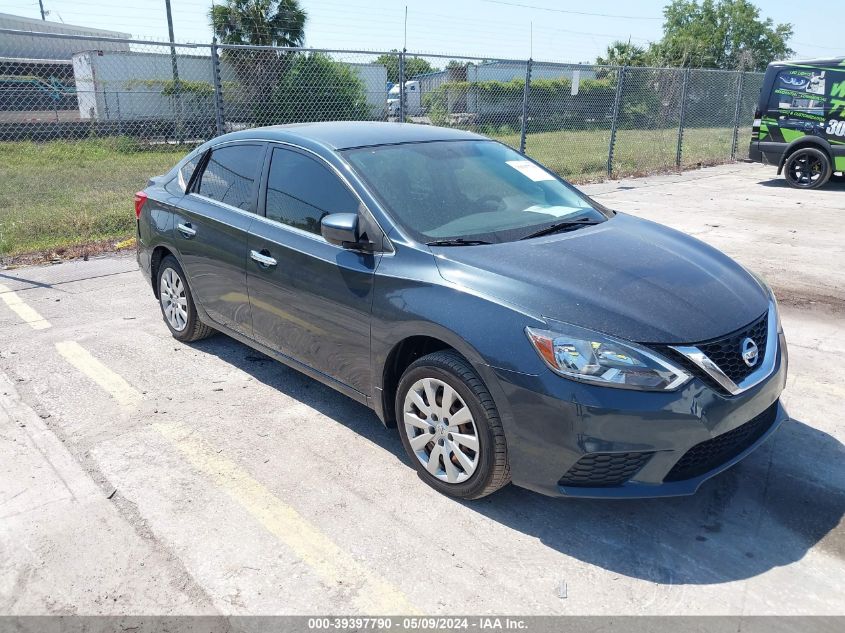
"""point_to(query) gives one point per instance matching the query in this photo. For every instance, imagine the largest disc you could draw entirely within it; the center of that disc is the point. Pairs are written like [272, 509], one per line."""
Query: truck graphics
[802, 105]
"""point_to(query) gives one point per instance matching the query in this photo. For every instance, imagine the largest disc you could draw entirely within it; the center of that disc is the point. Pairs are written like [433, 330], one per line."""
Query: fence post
[525, 92]
[684, 88]
[119, 117]
[737, 113]
[614, 124]
[402, 86]
[220, 122]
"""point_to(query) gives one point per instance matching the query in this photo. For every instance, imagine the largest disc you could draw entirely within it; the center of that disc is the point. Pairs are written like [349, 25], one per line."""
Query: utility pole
[41, 6]
[177, 88]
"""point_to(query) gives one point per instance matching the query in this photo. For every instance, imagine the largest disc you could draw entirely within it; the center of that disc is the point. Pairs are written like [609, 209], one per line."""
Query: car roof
[348, 134]
[835, 61]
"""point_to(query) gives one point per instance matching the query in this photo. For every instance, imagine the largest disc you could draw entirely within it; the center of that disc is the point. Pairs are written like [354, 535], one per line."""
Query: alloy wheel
[174, 303]
[441, 430]
[806, 169]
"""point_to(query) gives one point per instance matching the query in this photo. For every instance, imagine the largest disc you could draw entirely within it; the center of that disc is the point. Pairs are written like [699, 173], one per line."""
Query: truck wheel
[807, 168]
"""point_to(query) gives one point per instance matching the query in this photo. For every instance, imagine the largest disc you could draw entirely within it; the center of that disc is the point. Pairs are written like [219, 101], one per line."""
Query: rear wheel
[177, 304]
[450, 427]
[807, 168]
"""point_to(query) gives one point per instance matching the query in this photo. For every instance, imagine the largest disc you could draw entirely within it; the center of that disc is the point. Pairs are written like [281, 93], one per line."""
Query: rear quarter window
[799, 90]
[183, 178]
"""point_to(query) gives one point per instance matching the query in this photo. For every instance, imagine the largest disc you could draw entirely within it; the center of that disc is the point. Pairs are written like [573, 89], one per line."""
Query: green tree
[621, 53]
[727, 34]
[413, 66]
[259, 22]
[317, 88]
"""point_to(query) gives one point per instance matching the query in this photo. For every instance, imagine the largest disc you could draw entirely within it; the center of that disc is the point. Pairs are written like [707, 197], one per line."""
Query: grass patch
[67, 193]
[64, 193]
[582, 154]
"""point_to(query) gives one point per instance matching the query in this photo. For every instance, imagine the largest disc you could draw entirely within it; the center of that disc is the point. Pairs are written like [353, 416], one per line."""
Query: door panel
[211, 233]
[214, 259]
[314, 304]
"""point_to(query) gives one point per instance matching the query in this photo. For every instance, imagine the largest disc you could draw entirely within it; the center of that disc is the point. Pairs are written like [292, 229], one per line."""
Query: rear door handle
[261, 258]
[186, 230]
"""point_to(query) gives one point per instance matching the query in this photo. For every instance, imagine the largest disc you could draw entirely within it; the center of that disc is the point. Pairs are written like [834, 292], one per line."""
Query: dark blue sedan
[511, 327]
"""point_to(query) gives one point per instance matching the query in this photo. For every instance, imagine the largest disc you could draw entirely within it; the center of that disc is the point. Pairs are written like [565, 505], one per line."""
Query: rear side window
[799, 90]
[300, 191]
[230, 175]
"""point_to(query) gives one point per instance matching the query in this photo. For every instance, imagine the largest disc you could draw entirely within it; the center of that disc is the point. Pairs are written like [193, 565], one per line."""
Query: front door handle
[262, 259]
[186, 230]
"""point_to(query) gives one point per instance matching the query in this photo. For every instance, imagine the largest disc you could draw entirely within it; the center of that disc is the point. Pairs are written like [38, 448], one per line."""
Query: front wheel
[450, 427]
[807, 168]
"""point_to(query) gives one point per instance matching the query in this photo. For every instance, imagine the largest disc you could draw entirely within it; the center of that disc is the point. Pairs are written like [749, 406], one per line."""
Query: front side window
[467, 190]
[300, 191]
[230, 175]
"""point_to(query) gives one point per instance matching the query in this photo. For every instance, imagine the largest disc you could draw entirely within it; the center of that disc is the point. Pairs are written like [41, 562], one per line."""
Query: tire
[177, 304]
[475, 472]
[807, 168]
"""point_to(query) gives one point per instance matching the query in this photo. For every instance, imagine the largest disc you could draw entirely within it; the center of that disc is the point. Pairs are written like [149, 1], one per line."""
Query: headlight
[595, 358]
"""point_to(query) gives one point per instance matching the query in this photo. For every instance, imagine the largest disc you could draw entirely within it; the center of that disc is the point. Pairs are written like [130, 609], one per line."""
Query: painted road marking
[27, 313]
[125, 394]
[373, 595]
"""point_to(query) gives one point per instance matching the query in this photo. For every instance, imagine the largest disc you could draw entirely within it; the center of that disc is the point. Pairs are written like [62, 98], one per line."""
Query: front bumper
[561, 433]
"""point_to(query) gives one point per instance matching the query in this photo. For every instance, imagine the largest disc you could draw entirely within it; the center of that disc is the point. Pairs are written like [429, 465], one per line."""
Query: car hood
[627, 277]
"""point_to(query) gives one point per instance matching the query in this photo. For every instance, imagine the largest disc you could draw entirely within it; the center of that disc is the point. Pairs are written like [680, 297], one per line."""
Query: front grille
[712, 453]
[600, 470]
[727, 352]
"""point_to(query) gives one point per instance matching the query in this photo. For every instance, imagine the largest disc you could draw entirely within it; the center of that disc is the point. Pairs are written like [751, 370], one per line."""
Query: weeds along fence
[584, 121]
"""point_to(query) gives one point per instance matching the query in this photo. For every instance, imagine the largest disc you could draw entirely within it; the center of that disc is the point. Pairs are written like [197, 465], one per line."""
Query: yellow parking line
[371, 594]
[27, 313]
[124, 393]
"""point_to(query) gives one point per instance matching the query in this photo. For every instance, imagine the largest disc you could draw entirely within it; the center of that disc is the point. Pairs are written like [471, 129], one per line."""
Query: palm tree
[621, 53]
[279, 23]
[259, 22]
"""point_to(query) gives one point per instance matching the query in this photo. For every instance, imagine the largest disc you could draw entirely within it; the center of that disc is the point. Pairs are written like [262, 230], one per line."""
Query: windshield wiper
[459, 241]
[561, 226]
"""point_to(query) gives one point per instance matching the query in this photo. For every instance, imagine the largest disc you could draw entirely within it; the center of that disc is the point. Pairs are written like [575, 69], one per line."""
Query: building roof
[348, 134]
[40, 39]
[9, 21]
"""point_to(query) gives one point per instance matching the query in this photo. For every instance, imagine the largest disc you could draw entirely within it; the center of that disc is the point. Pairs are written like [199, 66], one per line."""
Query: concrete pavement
[141, 475]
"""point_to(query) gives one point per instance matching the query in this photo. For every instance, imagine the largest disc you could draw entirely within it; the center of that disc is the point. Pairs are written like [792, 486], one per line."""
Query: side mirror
[340, 229]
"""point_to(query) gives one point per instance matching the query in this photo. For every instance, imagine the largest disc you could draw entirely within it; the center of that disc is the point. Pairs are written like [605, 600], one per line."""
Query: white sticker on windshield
[529, 169]
[555, 210]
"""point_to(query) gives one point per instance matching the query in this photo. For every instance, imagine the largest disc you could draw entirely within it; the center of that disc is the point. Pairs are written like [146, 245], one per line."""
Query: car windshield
[480, 191]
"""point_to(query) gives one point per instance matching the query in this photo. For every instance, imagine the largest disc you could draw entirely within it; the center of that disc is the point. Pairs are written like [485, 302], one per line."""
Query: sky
[551, 30]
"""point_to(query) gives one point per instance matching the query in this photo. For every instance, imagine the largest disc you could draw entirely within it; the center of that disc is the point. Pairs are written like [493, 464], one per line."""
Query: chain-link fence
[583, 121]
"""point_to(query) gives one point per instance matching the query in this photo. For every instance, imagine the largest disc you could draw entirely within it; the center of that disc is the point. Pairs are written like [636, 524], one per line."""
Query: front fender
[412, 299]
